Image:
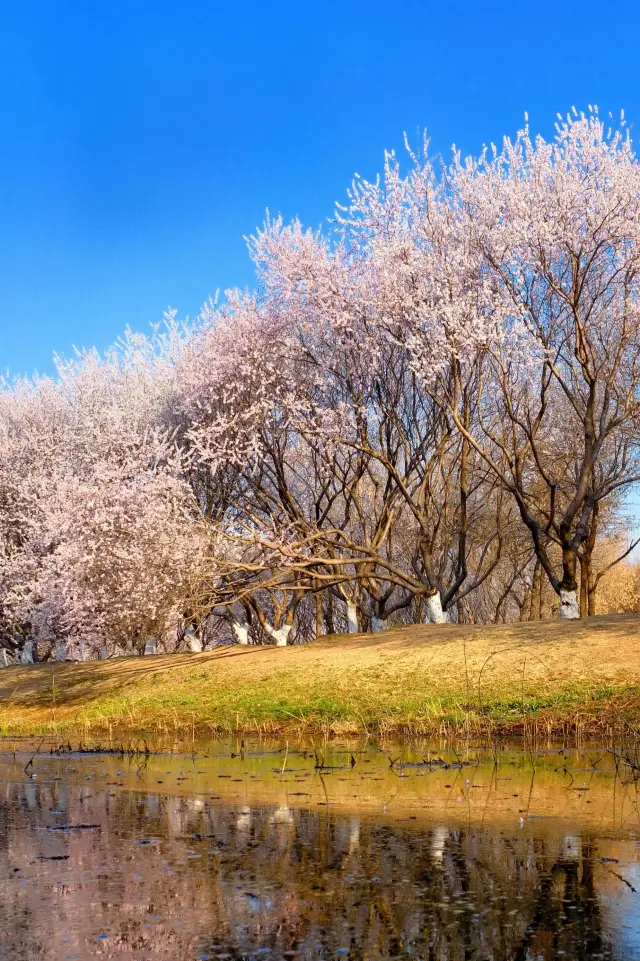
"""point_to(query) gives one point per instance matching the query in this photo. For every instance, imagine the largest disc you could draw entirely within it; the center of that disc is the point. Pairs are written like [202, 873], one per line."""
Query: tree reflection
[165, 877]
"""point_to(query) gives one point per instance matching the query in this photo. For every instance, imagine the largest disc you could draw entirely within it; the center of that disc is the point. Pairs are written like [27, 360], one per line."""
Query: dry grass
[545, 676]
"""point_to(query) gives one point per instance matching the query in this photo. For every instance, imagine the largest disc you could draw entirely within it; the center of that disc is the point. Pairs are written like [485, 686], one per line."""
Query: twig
[286, 755]
[30, 761]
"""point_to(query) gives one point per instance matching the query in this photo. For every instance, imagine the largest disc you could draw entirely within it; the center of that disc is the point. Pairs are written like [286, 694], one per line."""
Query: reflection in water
[98, 859]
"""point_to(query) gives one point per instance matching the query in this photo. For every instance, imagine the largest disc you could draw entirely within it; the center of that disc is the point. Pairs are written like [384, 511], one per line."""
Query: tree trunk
[377, 624]
[541, 590]
[280, 635]
[586, 564]
[352, 617]
[584, 587]
[524, 607]
[194, 644]
[319, 620]
[433, 604]
[27, 655]
[569, 607]
[241, 631]
[536, 592]
[60, 649]
[591, 597]
[331, 629]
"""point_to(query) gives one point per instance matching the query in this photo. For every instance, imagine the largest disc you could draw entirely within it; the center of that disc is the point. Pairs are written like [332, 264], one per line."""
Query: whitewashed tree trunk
[435, 614]
[60, 649]
[377, 624]
[279, 635]
[104, 654]
[241, 632]
[26, 655]
[352, 617]
[194, 644]
[569, 608]
[150, 646]
[5, 659]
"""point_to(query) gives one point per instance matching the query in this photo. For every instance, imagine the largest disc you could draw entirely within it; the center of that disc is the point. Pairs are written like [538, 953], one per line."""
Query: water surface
[262, 851]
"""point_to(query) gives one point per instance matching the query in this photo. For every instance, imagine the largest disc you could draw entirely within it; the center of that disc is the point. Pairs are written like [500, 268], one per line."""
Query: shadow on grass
[66, 685]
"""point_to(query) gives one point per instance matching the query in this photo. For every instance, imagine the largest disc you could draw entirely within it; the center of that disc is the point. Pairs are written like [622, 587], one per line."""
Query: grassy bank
[545, 677]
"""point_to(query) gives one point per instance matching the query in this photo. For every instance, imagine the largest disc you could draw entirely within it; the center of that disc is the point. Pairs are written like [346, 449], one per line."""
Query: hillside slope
[547, 677]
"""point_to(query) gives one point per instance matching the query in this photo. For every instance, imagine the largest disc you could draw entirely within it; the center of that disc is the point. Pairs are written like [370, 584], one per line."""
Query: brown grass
[425, 679]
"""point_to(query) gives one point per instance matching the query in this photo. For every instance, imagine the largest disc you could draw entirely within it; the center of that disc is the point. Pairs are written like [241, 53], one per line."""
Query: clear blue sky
[142, 138]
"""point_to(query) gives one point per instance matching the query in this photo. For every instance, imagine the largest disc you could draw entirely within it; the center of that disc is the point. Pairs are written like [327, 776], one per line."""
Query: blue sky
[142, 139]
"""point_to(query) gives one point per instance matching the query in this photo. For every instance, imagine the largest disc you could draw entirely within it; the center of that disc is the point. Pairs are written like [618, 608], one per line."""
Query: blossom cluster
[437, 392]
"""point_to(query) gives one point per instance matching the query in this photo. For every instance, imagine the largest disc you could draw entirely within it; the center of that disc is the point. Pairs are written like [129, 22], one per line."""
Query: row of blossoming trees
[429, 413]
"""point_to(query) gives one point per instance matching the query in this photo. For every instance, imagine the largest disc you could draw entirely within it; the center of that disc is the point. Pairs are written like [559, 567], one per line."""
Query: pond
[246, 850]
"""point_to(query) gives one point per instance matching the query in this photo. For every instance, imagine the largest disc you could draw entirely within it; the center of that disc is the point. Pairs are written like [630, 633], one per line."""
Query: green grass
[540, 678]
[260, 709]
